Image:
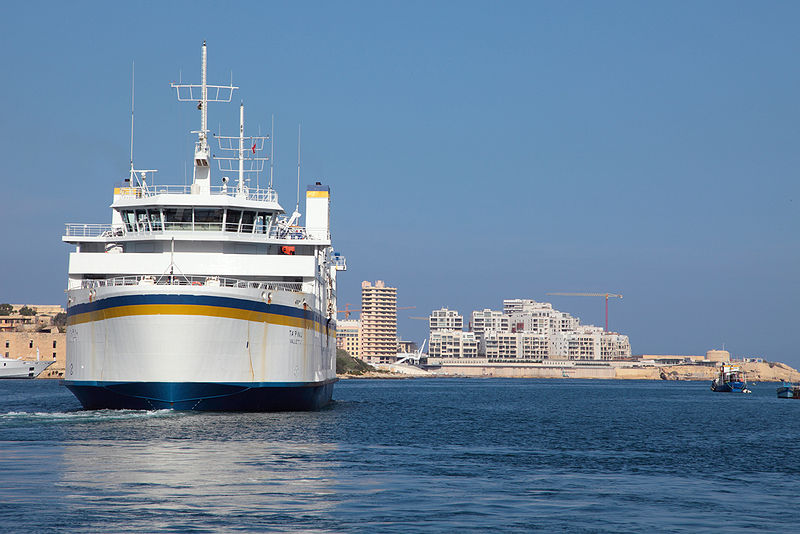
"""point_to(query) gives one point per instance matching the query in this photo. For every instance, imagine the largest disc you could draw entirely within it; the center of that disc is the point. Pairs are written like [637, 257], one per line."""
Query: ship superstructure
[204, 297]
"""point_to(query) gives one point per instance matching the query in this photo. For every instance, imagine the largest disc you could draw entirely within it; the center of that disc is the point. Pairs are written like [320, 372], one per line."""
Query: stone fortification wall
[523, 371]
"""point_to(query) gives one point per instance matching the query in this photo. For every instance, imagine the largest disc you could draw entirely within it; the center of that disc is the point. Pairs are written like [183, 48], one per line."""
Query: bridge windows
[142, 221]
[208, 219]
[232, 220]
[248, 220]
[197, 219]
[130, 220]
[156, 220]
[178, 218]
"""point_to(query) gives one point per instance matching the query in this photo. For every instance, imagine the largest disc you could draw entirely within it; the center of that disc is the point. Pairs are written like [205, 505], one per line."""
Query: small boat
[17, 368]
[788, 391]
[730, 380]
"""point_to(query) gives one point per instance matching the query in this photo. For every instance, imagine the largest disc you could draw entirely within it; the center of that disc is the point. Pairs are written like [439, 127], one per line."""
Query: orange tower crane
[606, 295]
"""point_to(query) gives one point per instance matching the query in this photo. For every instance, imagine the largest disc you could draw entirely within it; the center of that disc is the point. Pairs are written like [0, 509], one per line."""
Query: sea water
[421, 455]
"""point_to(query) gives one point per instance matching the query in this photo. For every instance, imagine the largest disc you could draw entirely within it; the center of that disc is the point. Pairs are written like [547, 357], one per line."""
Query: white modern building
[445, 319]
[452, 344]
[488, 320]
[526, 330]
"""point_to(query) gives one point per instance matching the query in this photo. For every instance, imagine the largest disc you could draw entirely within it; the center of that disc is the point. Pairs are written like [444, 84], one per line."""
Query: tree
[6, 309]
[25, 310]
[60, 319]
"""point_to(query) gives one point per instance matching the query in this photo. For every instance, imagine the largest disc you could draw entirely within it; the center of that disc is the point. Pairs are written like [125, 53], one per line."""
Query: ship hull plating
[202, 348]
[241, 397]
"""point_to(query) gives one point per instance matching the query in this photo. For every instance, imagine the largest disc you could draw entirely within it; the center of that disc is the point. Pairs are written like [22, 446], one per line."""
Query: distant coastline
[755, 372]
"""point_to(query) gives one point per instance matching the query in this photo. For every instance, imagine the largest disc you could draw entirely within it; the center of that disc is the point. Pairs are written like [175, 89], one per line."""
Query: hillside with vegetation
[347, 365]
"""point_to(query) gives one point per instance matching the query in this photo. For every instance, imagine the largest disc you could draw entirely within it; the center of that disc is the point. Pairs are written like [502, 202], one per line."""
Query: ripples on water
[438, 455]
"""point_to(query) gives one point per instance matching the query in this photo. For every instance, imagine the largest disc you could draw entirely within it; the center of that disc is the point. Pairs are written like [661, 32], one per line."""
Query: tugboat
[788, 391]
[730, 380]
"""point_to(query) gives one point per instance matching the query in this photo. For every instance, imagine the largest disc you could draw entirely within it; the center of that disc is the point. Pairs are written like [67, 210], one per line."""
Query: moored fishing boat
[788, 391]
[204, 297]
[730, 379]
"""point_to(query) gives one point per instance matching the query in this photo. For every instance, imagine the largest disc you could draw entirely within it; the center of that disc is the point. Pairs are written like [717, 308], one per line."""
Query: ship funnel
[318, 211]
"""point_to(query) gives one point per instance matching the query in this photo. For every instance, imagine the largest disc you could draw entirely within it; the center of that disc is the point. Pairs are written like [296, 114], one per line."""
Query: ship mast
[201, 183]
[240, 187]
[235, 145]
[204, 101]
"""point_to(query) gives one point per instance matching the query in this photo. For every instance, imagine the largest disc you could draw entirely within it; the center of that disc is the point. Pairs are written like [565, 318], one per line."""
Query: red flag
[254, 148]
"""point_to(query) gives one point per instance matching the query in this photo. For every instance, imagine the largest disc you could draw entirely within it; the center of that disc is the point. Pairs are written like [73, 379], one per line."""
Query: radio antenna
[140, 178]
[133, 85]
[297, 208]
[271, 150]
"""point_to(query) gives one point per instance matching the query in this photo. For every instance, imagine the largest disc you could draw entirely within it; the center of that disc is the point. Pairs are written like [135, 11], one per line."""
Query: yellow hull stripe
[194, 309]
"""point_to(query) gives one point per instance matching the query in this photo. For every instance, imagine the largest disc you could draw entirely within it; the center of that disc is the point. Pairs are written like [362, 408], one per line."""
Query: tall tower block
[378, 322]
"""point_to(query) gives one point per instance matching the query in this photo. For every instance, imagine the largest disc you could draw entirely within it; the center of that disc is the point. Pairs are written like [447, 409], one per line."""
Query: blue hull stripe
[204, 396]
[194, 300]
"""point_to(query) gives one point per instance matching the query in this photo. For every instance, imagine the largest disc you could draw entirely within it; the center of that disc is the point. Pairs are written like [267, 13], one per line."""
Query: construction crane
[348, 310]
[606, 295]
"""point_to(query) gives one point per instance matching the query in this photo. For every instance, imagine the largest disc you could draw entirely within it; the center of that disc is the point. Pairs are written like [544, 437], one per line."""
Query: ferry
[204, 297]
[731, 379]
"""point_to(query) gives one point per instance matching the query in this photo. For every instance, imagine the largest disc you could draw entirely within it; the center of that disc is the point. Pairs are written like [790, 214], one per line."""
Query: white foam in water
[91, 415]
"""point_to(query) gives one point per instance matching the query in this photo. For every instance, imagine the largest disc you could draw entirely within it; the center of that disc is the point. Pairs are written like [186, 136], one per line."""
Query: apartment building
[527, 330]
[445, 319]
[488, 320]
[452, 344]
[378, 343]
[348, 334]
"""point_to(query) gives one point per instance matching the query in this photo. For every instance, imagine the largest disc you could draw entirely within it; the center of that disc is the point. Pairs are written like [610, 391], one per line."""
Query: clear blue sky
[476, 150]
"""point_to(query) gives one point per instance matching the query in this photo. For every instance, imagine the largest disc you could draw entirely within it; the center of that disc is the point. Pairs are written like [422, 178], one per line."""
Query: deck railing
[94, 230]
[181, 280]
[156, 227]
[261, 195]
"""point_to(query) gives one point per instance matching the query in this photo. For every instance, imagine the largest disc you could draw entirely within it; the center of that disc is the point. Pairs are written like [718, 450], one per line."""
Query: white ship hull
[207, 348]
[11, 368]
